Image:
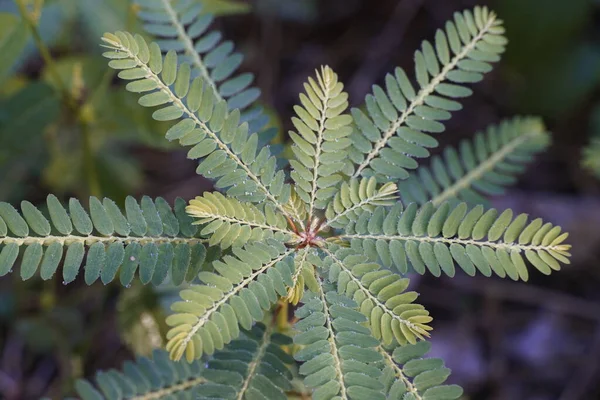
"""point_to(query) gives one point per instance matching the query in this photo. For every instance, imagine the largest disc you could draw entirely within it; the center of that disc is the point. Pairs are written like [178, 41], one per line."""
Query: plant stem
[45, 53]
[72, 103]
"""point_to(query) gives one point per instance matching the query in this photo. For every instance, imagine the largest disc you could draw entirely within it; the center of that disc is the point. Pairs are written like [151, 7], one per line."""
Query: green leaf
[434, 238]
[401, 112]
[105, 240]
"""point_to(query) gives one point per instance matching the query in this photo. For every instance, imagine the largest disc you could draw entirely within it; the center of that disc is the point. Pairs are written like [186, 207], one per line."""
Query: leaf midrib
[423, 93]
[486, 166]
[189, 48]
[177, 101]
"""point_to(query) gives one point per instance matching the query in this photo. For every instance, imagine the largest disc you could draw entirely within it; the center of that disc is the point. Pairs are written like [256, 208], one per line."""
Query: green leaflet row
[230, 222]
[321, 139]
[230, 155]
[481, 166]
[242, 287]
[338, 351]
[181, 26]
[356, 196]
[380, 295]
[252, 365]
[408, 374]
[434, 239]
[399, 121]
[149, 238]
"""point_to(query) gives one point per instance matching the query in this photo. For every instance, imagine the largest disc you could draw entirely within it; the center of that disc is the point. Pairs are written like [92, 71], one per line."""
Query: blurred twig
[69, 97]
[381, 46]
[31, 20]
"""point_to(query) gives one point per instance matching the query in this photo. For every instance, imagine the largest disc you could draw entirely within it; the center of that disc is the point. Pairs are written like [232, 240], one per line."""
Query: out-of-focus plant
[591, 153]
[555, 31]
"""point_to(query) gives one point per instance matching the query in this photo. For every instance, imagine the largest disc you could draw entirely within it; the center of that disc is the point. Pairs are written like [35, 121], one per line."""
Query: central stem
[310, 237]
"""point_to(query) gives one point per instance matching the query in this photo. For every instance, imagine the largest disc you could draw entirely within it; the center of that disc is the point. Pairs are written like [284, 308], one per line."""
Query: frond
[337, 352]
[400, 119]
[237, 293]
[150, 236]
[321, 140]
[407, 372]
[248, 366]
[180, 26]
[433, 239]
[380, 296]
[482, 166]
[304, 275]
[154, 378]
[296, 207]
[357, 196]
[258, 363]
[230, 222]
[591, 157]
[229, 155]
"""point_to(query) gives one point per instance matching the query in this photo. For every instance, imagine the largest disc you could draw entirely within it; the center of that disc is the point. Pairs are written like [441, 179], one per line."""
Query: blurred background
[503, 340]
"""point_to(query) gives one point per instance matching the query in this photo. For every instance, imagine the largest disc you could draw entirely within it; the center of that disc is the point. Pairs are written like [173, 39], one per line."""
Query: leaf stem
[45, 53]
[463, 242]
[68, 97]
[399, 373]
[89, 240]
[334, 350]
[176, 101]
[256, 361]
[189, 47]
[488, 165]
[327, 91]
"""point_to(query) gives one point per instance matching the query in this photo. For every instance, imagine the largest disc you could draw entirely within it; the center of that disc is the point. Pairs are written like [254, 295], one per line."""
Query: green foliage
[407, 373]
[327, 236]
[338, 351]
[70, 142]
[356, 196]
[434, 238]
[233, 223]
[229, 155]
[181, 26]
[156, 377]
[150, 236]
[400, 119]
[250, 367]
[380, 295]
[322, 140]
[257, 365]
[482, 166]
[28, 112]
[237, 293]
